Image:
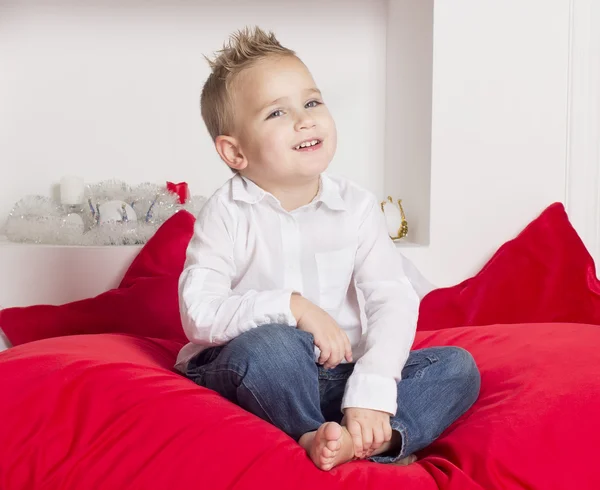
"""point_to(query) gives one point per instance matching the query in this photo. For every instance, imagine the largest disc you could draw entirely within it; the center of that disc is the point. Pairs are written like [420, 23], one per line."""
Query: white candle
[71, 190]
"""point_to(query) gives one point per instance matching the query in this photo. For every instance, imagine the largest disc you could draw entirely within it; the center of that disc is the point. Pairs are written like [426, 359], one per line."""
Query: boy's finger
[341, 351]
[356, 434]
[387, 432]
[333, 359]
[337, 358]
[367, 438]
[325, 354]
[347, 349]
[377, 438]
[337, 355]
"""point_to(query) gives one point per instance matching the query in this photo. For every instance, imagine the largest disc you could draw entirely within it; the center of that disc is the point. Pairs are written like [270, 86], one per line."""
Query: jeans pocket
[418, 361]
[197, 365]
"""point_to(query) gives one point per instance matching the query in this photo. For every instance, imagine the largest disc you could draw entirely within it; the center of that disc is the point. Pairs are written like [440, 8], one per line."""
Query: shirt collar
[329, 194]
[245, 190]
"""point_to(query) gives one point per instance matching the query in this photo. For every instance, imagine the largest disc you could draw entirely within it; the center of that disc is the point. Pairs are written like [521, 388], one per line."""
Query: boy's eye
[313, 103]
[276, 113]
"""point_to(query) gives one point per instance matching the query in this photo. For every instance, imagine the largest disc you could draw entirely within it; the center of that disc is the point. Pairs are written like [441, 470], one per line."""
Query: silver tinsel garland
[135, 215]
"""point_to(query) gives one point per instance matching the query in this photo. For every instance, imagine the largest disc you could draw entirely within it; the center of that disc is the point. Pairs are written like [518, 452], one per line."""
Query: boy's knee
[462, 367]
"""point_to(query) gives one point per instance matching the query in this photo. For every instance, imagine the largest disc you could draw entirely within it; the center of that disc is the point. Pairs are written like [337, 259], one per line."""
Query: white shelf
[5, 242]
[56, 274]
[408, 244]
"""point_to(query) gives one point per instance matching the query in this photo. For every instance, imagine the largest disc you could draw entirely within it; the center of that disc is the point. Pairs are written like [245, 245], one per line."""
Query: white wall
[583, 149]
[500, 80]
[113, 92]
[408, 112]
[110, 89]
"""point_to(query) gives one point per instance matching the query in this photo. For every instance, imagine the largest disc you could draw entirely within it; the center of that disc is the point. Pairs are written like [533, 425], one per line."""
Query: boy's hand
[369, 429]
[329, 337]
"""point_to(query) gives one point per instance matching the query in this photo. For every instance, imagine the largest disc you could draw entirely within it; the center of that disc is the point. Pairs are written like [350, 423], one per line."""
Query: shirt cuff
[371, 391]
[274, 307]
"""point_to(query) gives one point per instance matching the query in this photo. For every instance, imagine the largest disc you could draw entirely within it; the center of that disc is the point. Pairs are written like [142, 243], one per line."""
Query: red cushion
[106, 411]
[535, 423]
[545, 274]
[145, 303]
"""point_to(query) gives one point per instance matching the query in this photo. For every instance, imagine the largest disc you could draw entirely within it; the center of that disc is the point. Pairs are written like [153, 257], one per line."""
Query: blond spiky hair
[244, 48]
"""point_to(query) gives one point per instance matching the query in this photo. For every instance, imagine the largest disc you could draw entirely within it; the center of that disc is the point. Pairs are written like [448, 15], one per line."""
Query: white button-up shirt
[248, 255]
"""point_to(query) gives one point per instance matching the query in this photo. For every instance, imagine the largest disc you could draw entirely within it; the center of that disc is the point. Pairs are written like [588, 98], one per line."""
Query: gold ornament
[395, 218]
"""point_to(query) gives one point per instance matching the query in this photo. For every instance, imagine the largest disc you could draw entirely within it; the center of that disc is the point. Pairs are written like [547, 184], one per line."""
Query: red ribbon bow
[180, 189]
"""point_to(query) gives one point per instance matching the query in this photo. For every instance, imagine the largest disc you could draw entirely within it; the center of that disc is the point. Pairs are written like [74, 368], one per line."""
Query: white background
[112, 91]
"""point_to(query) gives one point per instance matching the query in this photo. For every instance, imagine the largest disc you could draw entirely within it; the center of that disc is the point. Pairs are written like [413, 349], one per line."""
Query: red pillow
[145, 303]
[105, 411]
[545, 274]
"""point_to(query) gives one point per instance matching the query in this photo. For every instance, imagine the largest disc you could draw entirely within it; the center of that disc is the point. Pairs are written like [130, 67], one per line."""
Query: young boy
[268, 295]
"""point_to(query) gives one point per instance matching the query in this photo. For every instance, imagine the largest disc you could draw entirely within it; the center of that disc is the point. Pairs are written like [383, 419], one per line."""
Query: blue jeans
[270, 371]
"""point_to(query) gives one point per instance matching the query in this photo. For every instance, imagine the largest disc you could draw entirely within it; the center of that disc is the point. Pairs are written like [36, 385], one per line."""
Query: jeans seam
[220, 369]
[198, 370]
[250, 389]
[432, 358]
[429, 357]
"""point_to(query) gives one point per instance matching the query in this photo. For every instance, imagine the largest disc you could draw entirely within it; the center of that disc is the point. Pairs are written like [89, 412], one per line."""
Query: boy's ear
[230, 152]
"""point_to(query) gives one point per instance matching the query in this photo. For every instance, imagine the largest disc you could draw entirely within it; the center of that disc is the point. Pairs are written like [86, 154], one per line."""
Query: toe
[332, 431]
[333, 445]
[328, 453]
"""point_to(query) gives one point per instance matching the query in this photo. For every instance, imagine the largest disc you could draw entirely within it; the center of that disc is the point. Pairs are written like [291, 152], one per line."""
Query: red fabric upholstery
[145, 303]
[106, 411]
[545, 274]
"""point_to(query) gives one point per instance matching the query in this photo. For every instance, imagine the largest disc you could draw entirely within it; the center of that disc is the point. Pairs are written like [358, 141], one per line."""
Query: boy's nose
[304, 121]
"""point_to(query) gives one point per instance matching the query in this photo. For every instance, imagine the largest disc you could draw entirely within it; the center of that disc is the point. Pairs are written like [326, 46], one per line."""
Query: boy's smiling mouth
[309, 145]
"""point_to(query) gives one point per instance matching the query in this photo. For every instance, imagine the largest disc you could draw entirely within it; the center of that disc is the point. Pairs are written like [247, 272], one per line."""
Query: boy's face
[277, 107]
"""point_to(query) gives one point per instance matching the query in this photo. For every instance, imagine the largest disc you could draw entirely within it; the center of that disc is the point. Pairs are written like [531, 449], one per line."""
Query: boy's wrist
[298, 305]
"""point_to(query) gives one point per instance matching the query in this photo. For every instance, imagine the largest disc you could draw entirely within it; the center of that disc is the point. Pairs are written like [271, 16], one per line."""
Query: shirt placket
[291, 245]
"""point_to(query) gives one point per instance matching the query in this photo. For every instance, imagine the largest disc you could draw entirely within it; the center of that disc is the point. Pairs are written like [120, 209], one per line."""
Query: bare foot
[330, 445]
